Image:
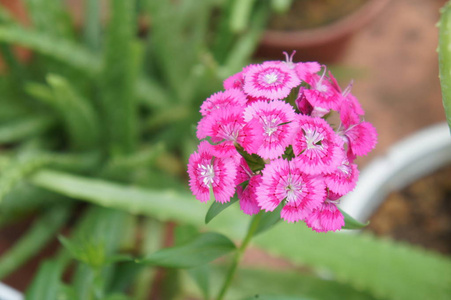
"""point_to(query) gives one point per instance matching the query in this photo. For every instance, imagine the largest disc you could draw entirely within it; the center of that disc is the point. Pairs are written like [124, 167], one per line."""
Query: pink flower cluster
[266, 137]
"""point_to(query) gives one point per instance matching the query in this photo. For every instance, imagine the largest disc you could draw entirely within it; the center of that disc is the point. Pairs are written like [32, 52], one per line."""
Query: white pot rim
[410, 159]
[8, 293]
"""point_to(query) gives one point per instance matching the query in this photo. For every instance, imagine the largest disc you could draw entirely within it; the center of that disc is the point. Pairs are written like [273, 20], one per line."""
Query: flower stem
[238, 255]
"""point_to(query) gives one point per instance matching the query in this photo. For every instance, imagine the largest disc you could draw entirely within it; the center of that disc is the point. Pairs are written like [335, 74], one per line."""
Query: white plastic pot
[407, 161]
[8, 293]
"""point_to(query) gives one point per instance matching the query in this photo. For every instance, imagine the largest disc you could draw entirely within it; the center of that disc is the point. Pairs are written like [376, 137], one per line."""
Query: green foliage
[201, 250]
[444, 51]
[101, 114]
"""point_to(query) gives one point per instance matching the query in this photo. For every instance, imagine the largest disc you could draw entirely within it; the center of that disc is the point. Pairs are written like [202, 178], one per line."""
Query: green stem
[238, 255]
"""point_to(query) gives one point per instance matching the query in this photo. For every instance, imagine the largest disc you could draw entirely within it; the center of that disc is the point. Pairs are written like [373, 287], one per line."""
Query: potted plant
[96, 144]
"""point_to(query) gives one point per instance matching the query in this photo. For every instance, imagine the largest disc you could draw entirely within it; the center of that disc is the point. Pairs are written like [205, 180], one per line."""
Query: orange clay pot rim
[326, 33]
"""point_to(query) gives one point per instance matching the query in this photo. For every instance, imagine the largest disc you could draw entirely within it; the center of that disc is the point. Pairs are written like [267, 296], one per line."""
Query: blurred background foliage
[96, 125]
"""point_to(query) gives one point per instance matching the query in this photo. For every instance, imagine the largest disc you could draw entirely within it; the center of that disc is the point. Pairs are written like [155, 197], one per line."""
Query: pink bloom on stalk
[322, 95]
[232, 97]
[248, 197]
[361, 137]
[276, 119]
[327, 217]
[272, 80]
[226, 126]
[316, 146]
[283, 180]
[306, 70]
[302, 103]
[235, 81]
[205, 172]
[344, 179]
[243, 171]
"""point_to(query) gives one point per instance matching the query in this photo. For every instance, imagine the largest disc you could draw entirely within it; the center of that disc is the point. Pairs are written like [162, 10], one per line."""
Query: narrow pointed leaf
[199, 251]
[351, 223]
[216, 208]
[268, 220]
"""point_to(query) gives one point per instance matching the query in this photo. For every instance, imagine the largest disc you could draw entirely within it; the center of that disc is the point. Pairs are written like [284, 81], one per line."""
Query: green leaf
[444, 52]
[80, 117]
[46, 283]
[199, 251]
[118, 79]
[20, 129]
[351, 223]
[89, 251]
[18, 169]
[381, 267]
[259, 283]
[216, 208]
[268, 220]
[63, 50]
[201, 275]
[255, 162]
[41, 231]
[164, 205]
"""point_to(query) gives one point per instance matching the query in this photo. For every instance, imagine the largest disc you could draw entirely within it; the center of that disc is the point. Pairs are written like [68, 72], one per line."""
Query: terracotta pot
[324, 44]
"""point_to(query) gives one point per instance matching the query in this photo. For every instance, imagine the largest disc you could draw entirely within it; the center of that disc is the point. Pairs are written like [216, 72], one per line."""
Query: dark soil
[313, 13]
[420, 214]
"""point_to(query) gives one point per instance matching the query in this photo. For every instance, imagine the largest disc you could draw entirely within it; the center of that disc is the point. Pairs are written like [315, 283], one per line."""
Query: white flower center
[208, 174]
[293, 189]
[272, 77]
[270, 126]
[314, 139]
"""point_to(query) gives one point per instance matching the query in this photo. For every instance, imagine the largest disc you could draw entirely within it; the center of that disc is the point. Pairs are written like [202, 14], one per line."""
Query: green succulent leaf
[201, 250]
[444, 52]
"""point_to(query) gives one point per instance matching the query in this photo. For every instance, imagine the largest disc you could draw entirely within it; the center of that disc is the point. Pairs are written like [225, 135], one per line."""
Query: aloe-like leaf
[46, 284]
[216, 208]
[18, 169]
[118, 78]
[63, 50]
[92, 29]
[42, 230]
[260, 283]
[380, 267]
[201, 250]
[444, 54]
[20, 129]
[50, 17]
[351, 223]
[80, 117]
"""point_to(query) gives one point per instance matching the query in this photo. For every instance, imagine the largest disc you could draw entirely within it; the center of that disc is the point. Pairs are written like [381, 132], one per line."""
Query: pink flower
[235, 81]
[322, 95]
[226, 126]
[344, 179]
[231, 97]
[361, 137]
[276, 119]
[272, 80]
[205, 171]
[327, 217]
[316, 146]
[305, 70]
[282, 180]
[248, 197]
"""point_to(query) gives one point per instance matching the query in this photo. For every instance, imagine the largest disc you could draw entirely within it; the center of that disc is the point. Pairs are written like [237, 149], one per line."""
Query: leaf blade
[201, 250]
